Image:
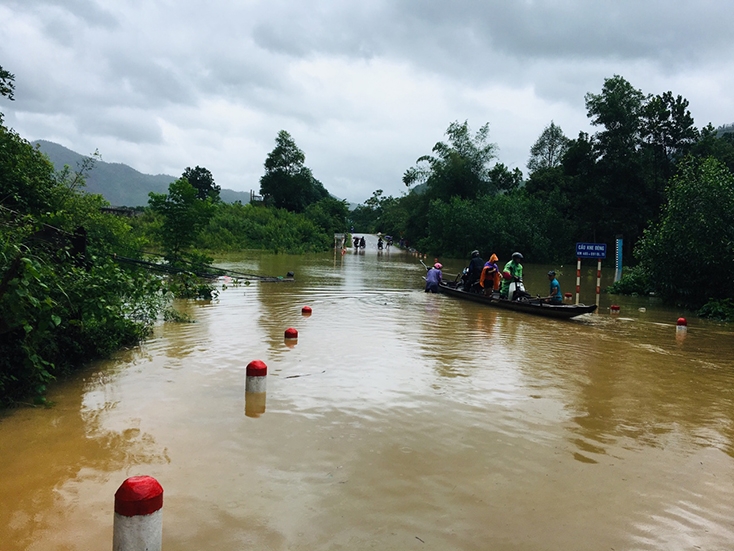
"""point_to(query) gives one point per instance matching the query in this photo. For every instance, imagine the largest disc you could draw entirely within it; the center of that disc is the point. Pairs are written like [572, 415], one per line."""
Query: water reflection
[56, 462]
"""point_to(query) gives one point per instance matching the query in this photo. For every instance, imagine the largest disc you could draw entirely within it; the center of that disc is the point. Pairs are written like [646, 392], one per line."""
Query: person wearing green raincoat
[514, 269]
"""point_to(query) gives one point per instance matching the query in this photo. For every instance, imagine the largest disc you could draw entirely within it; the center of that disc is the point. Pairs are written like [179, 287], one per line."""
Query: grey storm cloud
[364, 87]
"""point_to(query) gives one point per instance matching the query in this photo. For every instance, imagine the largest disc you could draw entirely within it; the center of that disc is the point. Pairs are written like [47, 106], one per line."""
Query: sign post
[618, 271]
[590, 250]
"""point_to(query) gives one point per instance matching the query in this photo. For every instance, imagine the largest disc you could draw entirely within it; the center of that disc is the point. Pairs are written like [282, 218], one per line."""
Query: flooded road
[400, 420]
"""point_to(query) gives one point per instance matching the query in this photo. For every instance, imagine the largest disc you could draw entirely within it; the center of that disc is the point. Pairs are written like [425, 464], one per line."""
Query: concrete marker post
[138, 524]
[255, 379]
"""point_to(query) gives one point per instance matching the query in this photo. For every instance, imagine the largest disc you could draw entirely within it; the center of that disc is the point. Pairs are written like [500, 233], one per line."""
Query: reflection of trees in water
[279, 309]
[50, 452]
[182, 338]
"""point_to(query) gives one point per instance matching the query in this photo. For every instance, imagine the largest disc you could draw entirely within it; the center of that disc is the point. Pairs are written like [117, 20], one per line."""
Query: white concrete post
[138, 524]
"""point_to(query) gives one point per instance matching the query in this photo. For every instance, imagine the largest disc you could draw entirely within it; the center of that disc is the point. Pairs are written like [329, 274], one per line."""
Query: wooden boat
[530, 306]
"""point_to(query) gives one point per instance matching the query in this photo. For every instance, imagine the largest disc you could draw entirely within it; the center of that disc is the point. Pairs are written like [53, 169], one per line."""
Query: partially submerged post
[138, 524]
[255, 378]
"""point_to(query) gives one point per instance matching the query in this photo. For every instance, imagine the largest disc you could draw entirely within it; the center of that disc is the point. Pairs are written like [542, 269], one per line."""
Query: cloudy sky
[363, 87]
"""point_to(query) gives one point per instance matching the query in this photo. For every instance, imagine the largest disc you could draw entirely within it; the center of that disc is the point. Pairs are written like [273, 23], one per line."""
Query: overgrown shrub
[722, 310]
[634, 281]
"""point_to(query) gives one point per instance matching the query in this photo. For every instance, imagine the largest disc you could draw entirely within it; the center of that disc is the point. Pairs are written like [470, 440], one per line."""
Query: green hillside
[120, 184]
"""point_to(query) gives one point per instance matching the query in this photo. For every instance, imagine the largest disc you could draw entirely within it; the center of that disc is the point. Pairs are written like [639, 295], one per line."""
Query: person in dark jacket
[476, 264]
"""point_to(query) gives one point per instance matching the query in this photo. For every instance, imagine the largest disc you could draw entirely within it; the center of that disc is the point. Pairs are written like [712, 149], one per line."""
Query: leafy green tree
[622, 198]
[203, 182]
[689, 253]
[503, 179]
[667, 134]
[329, 214]
[184, 216]
[618, 109]
[27, 182]
[287, 182]
[365, 218]
[711, 144]
[548, 151]
[457, 168]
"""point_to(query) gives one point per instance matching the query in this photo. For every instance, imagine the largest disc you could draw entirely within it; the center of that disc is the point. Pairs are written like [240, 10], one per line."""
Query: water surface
[400, 420]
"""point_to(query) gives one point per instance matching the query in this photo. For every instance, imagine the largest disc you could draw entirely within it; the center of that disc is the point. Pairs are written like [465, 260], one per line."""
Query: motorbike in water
[517, 290]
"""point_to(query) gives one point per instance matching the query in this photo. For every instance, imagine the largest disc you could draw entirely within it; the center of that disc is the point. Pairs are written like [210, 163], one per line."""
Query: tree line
[647, 174]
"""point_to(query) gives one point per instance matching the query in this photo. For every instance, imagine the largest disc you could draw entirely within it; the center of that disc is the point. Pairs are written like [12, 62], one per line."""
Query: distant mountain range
[121, 185]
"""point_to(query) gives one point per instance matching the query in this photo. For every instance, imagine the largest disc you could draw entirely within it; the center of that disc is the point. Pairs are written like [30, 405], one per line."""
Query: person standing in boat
[490, 277]
[514, 268]
[433, 278]
[476, 264]
[555, 296]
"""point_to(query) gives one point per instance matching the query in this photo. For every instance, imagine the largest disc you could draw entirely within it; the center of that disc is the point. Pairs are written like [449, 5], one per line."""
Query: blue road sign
[591, 250]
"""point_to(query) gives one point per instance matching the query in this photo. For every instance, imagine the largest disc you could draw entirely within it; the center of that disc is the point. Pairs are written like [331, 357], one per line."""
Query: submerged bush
[722, 310]
[634, 281]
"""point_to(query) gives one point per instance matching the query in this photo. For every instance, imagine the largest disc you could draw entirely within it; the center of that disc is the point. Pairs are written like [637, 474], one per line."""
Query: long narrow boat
[531, 306]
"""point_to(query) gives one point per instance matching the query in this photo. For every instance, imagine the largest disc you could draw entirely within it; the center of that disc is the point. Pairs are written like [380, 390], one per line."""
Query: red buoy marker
[138, 520]
[291, 333]
[306, 310]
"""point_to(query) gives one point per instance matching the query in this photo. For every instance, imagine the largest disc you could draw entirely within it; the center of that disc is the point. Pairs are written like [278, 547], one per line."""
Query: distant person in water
[379, 243]
[362, 243]
[356, 242]
[433, 278]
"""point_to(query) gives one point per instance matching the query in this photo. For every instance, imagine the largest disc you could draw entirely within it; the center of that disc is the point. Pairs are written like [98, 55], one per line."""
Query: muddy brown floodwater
[400, 420]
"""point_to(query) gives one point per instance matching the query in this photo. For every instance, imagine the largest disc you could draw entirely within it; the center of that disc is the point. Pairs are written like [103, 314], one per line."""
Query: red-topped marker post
[138, 524]
[255, 388]
[255, 376]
